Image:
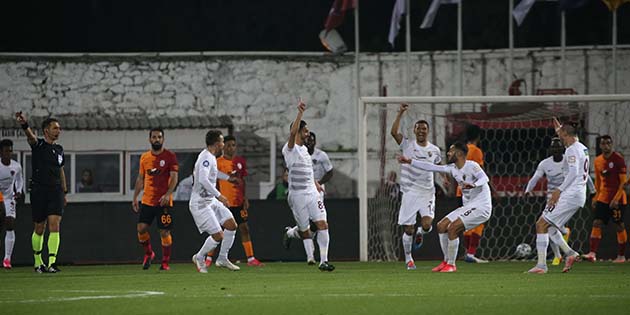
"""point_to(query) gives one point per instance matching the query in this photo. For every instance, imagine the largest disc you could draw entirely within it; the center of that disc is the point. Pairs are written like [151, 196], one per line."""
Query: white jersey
[575, 168]
[470, 173]
[11, 179]
[321, 164]
[413, 179]
[550, 169]
[205, 176]
[300, 165]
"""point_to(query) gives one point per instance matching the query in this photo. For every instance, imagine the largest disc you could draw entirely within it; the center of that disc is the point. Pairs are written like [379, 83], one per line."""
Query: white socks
[444, 244]
[453, 246]
[309, 248]
[406, 241]
[226, 244]
[9, 241]
[323, 238]
[556, 237]
[542, 242]
[207, 246]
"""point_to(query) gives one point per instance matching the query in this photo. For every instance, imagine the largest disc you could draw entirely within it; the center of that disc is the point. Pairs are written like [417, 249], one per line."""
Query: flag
[394, 26]
[613, 5]
[432, 12]
[338, 12]
[564, 5]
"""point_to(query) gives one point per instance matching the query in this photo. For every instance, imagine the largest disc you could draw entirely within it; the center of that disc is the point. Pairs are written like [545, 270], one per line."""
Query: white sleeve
[573, 171]
[590, 185]
[538, 174]
[438, 158]
[430, 167]
[482, 178]
[204, 172]
[223, 176]
[326, 162]
[19, 180]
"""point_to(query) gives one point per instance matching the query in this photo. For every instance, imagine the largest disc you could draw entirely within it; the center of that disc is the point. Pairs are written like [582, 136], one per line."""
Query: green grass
[295, 288]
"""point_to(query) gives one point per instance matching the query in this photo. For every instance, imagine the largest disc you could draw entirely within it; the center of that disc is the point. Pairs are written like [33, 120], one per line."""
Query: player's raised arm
[425, 166]
[396, 125]
[30, 135]
[295, 127]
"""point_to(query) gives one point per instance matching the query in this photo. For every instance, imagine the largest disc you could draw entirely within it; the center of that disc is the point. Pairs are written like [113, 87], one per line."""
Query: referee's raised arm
[30, 135]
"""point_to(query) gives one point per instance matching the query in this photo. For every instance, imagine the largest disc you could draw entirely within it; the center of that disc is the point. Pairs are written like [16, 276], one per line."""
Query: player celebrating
[238, 204]
[209, 207]
[477, 202]
[565, 200]
[11, 185]
[323, 172]
[417, 186]
[158, 177]
[610, 200]
[304, 198]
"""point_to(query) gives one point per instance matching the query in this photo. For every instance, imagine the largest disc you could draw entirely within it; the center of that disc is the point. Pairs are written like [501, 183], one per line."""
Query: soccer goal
[515, 136]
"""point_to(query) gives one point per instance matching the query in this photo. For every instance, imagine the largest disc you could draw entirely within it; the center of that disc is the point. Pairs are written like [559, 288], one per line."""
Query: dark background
[282, 25]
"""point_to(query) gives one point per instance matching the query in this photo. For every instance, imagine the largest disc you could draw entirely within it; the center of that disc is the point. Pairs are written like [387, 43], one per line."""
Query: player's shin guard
[323, 239]
[249, 249]
[53, 247]
[622, 238]
[167, 244]
[407, 240]
[596, 238]
[309, 248]
[37, 241]
[444, 244]
[453, 245]
[542, 242]
[556, 237]
[226, 244]
[9, 242]
[208, 246]
[145, 241]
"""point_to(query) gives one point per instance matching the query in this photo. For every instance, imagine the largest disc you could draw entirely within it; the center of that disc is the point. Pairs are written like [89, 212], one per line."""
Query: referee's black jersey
[47, 161]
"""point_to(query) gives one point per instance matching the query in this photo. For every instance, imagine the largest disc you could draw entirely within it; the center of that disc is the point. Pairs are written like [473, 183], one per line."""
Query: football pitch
[295, 288]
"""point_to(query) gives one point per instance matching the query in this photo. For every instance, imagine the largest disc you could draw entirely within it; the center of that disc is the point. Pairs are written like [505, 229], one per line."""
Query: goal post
[518, 119]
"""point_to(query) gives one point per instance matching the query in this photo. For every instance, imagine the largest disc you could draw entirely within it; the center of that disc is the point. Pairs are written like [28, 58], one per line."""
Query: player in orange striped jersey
[158, 177]
[236, 167]
[473, 236]
[610, 200]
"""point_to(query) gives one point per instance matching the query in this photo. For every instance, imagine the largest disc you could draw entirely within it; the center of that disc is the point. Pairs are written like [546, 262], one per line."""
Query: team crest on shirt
[611, 165]
[429, 153]
[59, 158]
[205, 163]
[162, 163]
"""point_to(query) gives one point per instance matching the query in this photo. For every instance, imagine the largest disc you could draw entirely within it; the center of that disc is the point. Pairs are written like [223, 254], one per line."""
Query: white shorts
[9, 205]
[471, 215]
[561, 213]
[209, 215]
[306, 207]
[414, 202]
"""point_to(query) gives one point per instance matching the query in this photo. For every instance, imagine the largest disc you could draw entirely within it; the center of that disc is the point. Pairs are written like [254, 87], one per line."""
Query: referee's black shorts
[46, 201]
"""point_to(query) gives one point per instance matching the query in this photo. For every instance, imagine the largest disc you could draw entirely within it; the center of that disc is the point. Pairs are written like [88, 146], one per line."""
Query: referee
[48, 189]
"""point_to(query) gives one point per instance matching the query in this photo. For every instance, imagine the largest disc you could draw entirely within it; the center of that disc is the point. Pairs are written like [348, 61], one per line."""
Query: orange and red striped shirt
[157, 173]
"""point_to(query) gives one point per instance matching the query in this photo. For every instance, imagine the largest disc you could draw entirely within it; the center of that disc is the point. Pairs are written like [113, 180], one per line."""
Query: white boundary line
[129, 294]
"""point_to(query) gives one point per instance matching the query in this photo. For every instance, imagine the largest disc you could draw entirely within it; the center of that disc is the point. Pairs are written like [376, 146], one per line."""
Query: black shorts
[46, 201]
[239, 213]
[605, 213]
[162, 215]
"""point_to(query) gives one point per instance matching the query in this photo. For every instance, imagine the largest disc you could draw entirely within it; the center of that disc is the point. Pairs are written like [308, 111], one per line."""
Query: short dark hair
[473, 132]
[461, 147]
[422, 121]
[212, 136]
[6, 143]
[229, 138]
[156, 129]
[302, 125]
[312, 135]
[555, 140]
[604, 137]
[46, 123]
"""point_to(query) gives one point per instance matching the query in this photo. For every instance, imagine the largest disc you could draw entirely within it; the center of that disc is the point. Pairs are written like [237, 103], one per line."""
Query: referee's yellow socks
[53, 246]
[38, 242]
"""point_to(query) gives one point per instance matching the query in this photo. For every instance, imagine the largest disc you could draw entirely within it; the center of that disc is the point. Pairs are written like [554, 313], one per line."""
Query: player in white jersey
[304, 198]
[209, 208]
[417, 186]
[477, 202]
[565, 200]
[322, 172]
[11, 186]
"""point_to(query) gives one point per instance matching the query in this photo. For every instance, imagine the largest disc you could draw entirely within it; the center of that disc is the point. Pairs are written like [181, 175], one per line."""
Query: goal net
[515, 136]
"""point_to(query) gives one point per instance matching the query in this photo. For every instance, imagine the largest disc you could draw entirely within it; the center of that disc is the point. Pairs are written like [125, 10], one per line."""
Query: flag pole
[511, 40]
[362, 191]
[408, 48]
[614, 50]
[459, 48]
[563, 43]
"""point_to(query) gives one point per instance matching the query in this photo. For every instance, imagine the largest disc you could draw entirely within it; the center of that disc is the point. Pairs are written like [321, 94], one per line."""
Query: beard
[156, 146]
